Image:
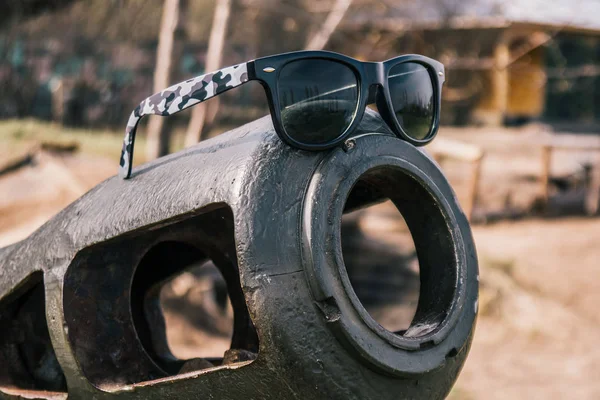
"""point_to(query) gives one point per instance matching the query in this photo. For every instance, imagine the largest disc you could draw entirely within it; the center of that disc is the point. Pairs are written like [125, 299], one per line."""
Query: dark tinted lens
[411, 91]
[317, 99]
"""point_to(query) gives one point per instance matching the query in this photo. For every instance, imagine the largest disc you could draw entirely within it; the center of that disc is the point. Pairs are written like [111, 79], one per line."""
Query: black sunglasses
[316, 98]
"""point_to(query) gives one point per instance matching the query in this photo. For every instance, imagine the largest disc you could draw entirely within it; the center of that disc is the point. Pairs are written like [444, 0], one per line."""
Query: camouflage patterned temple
[79, 315]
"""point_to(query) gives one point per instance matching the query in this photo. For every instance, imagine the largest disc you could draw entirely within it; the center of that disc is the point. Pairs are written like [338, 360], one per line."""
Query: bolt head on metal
[349, 145]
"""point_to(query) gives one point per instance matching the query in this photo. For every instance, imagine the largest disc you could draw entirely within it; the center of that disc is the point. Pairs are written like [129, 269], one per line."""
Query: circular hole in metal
[382, 264]
[198, 313]
[182, 310]
[398, 253]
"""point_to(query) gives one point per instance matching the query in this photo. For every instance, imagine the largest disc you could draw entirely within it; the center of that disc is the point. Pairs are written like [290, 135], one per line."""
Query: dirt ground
[540, 278]
[538, 323]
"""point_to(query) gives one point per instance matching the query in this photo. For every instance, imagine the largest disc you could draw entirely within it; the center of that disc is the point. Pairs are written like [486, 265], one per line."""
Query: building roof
[582, 15]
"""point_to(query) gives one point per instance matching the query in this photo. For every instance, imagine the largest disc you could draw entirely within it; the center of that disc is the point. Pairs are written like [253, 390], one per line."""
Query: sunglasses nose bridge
[374, 79]
[374, 90]
[374, 73]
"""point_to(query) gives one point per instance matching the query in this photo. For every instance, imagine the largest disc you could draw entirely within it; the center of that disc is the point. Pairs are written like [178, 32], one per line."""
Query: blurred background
[520, 143]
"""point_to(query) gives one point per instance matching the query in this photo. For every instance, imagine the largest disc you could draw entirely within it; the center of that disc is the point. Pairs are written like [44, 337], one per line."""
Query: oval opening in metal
[398, 253]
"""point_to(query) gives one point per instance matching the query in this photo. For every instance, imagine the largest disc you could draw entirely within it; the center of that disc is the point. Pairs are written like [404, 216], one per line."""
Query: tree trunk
[157, 141]
[320, 39]
[214, 57]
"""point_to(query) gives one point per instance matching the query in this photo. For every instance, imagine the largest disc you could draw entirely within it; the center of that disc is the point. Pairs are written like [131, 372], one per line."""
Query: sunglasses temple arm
[177, 98]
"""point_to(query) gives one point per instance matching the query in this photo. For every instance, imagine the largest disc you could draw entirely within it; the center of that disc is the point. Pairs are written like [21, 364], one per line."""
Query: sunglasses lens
[411, 92]
[318, 100]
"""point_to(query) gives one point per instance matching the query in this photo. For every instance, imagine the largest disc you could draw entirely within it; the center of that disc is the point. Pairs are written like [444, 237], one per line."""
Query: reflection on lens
[318, 100]
[411, 92]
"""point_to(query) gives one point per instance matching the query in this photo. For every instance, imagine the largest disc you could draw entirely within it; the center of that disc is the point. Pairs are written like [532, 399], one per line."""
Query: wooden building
[501, 56]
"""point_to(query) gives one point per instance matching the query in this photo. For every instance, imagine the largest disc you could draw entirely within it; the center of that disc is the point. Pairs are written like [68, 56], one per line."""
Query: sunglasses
[316, 98]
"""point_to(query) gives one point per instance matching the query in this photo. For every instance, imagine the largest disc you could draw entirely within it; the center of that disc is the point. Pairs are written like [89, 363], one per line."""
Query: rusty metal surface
[268, 216]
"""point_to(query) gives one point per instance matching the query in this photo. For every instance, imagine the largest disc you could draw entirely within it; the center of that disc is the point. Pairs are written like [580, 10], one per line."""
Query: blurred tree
[214, 57]
[157, 140]
[320, 39]
[26, 8]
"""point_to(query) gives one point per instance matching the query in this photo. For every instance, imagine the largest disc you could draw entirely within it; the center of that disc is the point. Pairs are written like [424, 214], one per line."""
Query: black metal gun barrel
[269, 217]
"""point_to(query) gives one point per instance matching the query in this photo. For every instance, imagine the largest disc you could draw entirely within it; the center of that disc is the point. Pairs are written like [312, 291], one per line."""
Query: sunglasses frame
[266, 70]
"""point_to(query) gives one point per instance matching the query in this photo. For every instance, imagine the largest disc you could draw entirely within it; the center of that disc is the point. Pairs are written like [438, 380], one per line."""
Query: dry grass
[17, 136]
